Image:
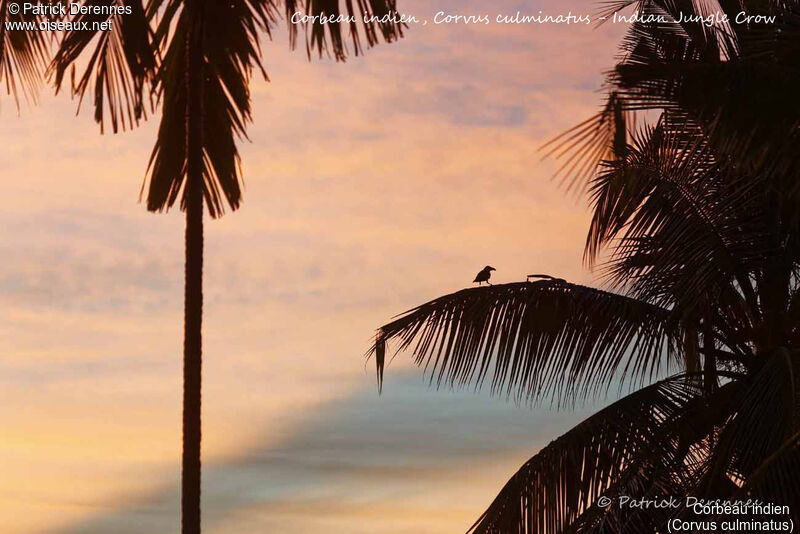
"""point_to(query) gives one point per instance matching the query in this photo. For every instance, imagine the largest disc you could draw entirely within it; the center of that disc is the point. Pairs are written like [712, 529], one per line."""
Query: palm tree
[696, 234]
[197, 57]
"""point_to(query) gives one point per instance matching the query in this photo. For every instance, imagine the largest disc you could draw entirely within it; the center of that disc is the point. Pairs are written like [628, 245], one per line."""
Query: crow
[484, 275]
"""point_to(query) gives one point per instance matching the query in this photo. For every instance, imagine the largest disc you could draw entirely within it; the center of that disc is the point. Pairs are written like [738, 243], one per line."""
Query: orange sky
[371, 186]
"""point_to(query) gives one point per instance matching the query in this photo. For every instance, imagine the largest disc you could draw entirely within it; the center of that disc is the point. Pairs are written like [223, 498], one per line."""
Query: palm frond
[602, 137]
[24, 53]
[547, 338]
[119, 61]
[621, 450]
[775, 480]
[682, 223]
[230, 53]
[689, 73]
[375, 19]
[766, 413]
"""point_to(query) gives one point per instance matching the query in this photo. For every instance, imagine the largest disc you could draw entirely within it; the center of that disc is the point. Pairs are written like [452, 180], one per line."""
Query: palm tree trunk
[193, 298]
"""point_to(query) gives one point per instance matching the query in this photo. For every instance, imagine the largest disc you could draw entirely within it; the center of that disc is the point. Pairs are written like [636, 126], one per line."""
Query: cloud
[358, 464]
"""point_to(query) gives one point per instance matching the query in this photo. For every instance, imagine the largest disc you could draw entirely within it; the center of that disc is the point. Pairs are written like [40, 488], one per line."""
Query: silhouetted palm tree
[197, 57]
[696, 230]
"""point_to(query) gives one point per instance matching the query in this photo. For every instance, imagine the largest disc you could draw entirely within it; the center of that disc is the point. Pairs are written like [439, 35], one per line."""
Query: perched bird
[484, 275]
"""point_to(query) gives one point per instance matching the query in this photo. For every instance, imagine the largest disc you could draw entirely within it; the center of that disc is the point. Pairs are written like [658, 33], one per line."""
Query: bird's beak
[492, 269]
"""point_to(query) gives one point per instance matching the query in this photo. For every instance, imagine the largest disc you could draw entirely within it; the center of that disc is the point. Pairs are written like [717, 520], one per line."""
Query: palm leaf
[538, 339]
[618, 451]
[712, 75]
[230, 53]
[688, 72]
[23, 53]
[120, 62]
[775, 480]
[373, 18]
[765, 414]
[683, 224]
[583, 147]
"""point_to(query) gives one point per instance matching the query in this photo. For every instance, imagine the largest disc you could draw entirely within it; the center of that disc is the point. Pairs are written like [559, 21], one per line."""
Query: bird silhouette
[484, 275]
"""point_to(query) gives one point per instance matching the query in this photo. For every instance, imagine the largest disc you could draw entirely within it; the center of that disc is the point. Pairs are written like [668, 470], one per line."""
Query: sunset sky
[371, 186]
